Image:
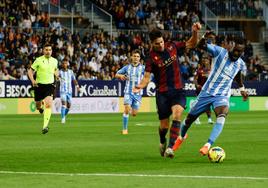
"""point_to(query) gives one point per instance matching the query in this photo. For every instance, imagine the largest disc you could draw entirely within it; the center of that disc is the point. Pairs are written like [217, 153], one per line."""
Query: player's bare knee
[38, 105]
[221, 119]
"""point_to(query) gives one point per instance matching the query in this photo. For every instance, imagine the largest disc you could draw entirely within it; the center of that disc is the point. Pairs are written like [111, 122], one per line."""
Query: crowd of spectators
[91, 56]
[144, 14]
[239, 8]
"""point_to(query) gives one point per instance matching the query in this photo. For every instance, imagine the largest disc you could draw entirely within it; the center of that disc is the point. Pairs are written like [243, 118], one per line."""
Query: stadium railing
[231, 8]
[71, 9]
[209, 18]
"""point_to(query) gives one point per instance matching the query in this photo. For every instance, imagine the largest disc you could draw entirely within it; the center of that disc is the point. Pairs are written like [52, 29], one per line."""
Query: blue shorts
[165, 100]
[66, 97]
[132, 100]
[204, 101]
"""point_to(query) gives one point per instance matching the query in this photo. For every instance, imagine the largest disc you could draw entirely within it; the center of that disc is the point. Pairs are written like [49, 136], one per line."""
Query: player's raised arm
[144, 82]
[192, 42]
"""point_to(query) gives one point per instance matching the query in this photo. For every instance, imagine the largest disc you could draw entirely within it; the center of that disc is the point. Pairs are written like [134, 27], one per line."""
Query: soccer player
[217, 90]
[46, 68]
[200, 79]
[170, 97]
[66, 78]
[132, 74]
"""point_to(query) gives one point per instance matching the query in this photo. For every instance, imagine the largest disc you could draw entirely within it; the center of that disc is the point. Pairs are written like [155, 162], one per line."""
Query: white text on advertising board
[17, 90]
[90, 90]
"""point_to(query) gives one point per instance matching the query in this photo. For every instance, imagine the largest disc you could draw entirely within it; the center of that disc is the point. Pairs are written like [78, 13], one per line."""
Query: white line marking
[134, 175]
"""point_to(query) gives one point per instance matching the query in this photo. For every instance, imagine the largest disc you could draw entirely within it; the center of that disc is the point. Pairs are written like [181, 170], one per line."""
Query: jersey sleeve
[148, 65]
[214, 50]
[56, 64]
[123, 70]
[35, 65]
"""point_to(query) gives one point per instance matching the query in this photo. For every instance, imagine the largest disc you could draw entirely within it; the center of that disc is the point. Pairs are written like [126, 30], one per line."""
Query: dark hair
[65, 59]
[136, 51]
[239, 40]
[154, 34]
[47, 45]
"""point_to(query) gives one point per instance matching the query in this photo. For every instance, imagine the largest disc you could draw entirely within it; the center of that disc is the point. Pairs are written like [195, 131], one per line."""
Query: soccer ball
[216, 155]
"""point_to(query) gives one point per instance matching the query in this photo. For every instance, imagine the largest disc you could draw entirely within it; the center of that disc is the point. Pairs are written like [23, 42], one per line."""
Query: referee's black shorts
[43, 90]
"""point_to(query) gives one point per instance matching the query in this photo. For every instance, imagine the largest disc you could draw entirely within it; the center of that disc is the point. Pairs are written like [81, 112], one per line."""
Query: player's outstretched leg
[186, 124]
[215, 133]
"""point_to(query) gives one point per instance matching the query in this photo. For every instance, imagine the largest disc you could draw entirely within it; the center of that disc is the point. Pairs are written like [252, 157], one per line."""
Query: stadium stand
[97, 55]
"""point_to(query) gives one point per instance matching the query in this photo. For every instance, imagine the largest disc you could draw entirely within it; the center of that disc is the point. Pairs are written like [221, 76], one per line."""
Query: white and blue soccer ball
[216, 154]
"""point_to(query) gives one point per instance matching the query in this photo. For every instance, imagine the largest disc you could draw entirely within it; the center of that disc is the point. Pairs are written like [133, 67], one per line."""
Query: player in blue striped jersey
[132, 74]
[66, 78]
[226, 67]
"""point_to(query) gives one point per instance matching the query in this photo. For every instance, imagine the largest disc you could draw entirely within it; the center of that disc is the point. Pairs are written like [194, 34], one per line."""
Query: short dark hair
[65, 59]
[239, 40]
[47, 45]
[154, 34]
[136, 51]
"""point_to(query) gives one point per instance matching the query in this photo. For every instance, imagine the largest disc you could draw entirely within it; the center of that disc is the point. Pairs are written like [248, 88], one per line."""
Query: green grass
[89, 151]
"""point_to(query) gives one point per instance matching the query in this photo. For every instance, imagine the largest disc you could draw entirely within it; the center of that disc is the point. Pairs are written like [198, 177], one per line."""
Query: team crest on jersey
[170, 48]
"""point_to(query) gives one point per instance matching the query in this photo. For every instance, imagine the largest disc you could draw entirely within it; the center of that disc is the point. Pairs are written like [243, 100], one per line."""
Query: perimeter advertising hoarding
[258, 103]
[8, 106]
[90, 105]
[113, 105]
[115, 88]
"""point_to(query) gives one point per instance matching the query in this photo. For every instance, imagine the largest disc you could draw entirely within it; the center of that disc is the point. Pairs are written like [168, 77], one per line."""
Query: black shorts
[165, 100]
[43, 90]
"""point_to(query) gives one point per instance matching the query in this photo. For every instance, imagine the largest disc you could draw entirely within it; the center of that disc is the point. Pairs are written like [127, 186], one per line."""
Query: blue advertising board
[115, 88]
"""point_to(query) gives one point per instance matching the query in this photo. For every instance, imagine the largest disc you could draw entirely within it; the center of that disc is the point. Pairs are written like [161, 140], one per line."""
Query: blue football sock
[63, 108]
[184, 129]
[125, 121]
[66, 111]
[217, 129]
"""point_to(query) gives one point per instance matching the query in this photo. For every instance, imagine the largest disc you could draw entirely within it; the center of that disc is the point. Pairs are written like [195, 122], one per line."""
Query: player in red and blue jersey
[201, 77]
[170, 97]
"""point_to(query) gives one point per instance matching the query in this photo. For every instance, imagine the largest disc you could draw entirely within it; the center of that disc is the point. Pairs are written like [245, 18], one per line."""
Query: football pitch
[89, 151]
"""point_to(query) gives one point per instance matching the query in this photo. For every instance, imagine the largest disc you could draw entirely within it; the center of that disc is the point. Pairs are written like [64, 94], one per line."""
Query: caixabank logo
[2, 89]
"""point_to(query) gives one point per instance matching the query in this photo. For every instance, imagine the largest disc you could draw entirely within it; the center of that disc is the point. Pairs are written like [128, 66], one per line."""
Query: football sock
[66, 111]
[217, 129]
[41, 110]
[208, 145]
[162, 134]
[174, 132]
[184, 129]
[63, 111]
[125, 121]
[47, 114]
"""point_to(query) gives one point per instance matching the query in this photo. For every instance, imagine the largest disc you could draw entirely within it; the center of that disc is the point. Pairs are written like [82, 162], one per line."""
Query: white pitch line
[134, 175]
